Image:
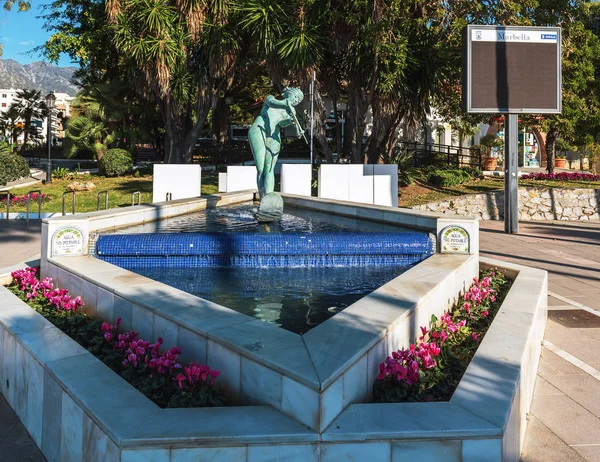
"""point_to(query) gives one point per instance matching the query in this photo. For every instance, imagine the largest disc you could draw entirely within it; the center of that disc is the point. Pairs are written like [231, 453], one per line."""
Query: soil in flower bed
[154, 371]
[431, 369]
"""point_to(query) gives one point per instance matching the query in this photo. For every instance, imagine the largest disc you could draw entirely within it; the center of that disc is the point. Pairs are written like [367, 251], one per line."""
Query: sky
[20, 32]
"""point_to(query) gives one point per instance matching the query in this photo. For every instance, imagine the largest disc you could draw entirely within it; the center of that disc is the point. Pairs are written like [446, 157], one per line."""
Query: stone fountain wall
[534, 204]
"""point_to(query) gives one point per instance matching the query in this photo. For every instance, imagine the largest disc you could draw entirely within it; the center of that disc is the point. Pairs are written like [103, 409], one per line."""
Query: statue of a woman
[264, 135]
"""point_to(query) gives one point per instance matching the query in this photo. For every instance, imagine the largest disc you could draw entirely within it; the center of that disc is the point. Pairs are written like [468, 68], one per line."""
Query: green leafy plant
[446, 176]
[12, 166]
[60, 173]
[407, 174]
[115, 162]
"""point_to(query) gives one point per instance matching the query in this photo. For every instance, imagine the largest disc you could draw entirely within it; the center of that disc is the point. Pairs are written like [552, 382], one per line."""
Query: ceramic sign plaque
[67, 241]
[455, 239]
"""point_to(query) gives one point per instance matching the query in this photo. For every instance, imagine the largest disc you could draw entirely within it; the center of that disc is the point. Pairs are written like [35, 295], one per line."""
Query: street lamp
[50, 100]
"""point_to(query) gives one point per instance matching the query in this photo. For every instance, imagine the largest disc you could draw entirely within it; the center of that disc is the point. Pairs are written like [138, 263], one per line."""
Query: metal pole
[312, 123]
[511, 173]
[48, 139]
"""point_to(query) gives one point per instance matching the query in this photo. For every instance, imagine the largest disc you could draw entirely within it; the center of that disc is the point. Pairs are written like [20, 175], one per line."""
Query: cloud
[28, 42]
[4, 39]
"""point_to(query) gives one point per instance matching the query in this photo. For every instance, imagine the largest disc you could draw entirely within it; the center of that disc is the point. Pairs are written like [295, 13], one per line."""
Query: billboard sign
[512, 70]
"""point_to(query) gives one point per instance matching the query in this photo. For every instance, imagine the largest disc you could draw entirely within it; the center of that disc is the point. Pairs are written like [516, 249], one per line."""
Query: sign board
[67, 241]
[455, 239]
[510, 69]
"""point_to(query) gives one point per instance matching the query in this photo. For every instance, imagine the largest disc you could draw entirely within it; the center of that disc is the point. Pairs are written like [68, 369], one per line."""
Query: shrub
[446, 178]
[12, 166]
[115, 162]
[60, 173]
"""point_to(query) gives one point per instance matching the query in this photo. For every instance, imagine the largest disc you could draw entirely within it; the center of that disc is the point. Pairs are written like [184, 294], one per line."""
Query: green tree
[10, 124]
[30, 105]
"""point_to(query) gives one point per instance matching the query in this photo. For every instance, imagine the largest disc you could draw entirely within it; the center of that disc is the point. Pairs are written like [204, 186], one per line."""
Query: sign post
[512, 70]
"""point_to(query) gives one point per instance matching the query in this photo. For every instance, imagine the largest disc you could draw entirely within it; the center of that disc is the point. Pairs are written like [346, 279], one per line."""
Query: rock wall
[534, 204]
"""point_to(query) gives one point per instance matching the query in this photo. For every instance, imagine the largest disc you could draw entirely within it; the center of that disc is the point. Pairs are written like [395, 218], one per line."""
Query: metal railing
[7, 194]
[169, 196]
[139, 197]
[73, 204]
[39, 202]
[425, 154]
[105, 200]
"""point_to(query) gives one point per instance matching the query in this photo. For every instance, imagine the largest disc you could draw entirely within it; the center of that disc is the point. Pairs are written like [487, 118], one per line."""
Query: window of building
[3, 95]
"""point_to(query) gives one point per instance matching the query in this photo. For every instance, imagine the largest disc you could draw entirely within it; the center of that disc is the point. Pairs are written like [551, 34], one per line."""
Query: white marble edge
[295, 432]
[303, 201]
[201, 201]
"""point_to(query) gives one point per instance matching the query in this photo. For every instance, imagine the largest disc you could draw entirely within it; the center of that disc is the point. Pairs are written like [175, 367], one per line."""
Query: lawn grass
[419, 193]
[119, 192]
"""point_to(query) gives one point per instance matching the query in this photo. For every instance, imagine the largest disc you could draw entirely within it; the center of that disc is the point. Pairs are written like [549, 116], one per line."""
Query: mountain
[38, 76]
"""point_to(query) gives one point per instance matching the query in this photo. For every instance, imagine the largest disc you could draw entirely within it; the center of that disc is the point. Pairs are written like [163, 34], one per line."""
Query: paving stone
[552, 364]
[590, 453]
[19, 447]
[584, 389]
[541, 445]
[570, 421]
[543, 387]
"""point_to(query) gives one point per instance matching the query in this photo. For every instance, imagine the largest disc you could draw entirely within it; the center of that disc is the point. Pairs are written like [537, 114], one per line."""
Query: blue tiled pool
[295, 274]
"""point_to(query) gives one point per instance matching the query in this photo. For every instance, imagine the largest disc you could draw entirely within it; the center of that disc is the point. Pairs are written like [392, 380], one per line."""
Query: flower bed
[432, 369]
[561, 176]
[156, 373]
[22, 200]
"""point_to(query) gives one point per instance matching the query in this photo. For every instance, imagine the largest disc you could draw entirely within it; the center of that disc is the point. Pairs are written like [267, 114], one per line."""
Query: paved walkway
[18, 242]
[564, 422]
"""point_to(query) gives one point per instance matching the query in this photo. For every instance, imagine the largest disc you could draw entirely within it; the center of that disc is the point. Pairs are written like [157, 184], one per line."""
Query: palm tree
[181, 54]
[31, 105]
[9, 124]
[89, 127]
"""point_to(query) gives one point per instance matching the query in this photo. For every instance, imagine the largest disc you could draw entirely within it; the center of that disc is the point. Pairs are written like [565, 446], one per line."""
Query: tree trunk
[205, 102]
[550, 148]
[338, 129]
[357, 113]
[319, 133]
[386, 119]
[27, 127]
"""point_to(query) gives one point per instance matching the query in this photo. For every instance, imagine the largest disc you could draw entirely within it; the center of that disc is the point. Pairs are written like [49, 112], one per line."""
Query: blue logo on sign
[548, 36]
